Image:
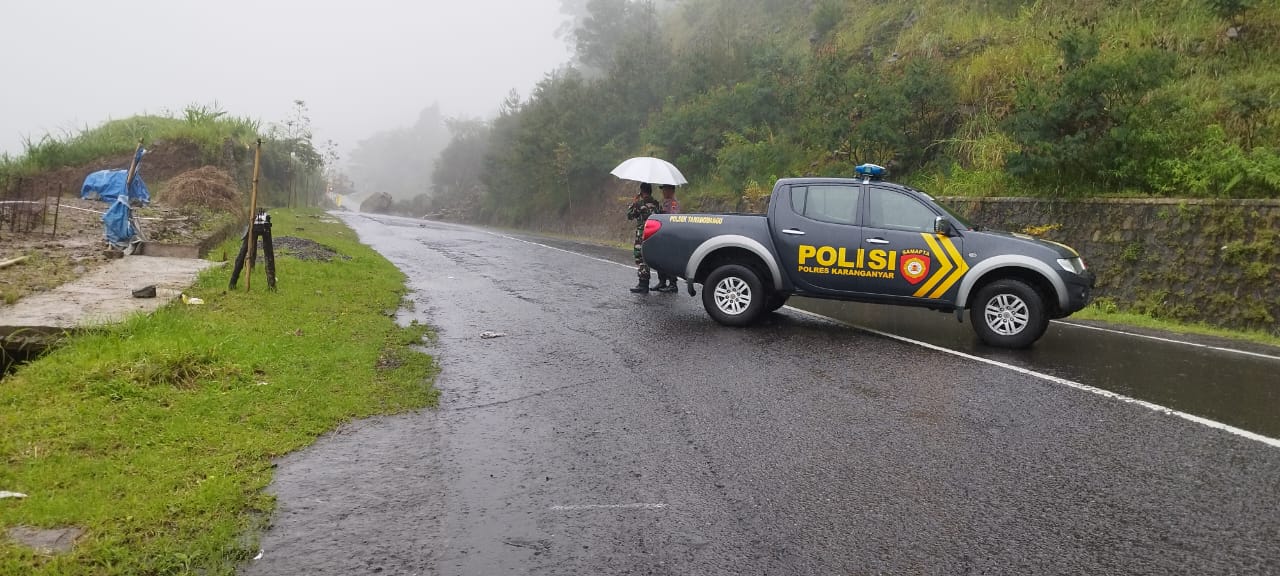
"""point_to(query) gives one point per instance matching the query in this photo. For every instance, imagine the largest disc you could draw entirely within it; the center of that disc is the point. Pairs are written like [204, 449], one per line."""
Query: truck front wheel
[733, 295]
[1008, 313]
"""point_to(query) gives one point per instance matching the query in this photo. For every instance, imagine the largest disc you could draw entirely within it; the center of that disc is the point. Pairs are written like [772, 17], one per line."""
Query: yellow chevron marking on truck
[961, 268]
[943, 268]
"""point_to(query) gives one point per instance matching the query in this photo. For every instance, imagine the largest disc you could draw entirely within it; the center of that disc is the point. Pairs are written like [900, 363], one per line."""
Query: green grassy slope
[206, 127]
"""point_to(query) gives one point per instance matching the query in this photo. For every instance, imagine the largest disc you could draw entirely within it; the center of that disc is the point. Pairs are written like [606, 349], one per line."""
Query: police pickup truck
[866, 240]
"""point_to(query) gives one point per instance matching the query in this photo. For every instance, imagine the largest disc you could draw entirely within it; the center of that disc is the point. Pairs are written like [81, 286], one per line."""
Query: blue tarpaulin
[116, 221]
[108, 185]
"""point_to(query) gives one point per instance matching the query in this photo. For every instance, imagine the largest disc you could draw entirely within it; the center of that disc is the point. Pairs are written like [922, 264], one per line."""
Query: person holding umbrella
[648, 171]
[640, 210]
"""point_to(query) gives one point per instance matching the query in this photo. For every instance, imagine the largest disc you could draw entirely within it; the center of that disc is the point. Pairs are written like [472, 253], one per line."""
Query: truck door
[903, 256]
[815, 228]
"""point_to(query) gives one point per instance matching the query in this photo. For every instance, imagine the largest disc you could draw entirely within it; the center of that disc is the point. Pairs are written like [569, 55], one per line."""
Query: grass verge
[1122, 319]
[157, 436]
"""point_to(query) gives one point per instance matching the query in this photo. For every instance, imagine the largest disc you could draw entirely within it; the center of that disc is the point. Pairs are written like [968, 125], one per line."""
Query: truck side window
[894, 210]
[798, 194]
[835, 204]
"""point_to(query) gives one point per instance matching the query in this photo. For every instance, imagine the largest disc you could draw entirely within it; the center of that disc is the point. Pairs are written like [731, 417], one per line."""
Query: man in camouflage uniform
[640, 210]
[670, 205]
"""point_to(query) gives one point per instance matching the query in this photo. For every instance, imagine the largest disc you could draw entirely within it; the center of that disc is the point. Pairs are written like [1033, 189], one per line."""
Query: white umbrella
[651, 170]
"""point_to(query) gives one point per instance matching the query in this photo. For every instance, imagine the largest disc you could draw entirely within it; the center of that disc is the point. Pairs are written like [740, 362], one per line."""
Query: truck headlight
[1073, 265]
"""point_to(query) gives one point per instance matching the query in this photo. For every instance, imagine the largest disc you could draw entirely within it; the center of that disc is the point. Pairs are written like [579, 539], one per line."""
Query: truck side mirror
[943, 226]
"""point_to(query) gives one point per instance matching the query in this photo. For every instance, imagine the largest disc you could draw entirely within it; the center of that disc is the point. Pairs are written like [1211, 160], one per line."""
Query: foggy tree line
[957, 97]
[400, 162]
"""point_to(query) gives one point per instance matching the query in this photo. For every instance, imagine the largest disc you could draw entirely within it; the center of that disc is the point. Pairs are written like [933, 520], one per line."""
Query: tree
[564, 169]
[1100, 123]
[931, 103]
[456, 182]
[290, 160]
[599, 34]
[400, 162]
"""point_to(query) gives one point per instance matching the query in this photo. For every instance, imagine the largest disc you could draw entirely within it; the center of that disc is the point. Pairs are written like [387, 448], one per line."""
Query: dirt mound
[304, 249]
[164, 160]
[379, 203]
[206, 187]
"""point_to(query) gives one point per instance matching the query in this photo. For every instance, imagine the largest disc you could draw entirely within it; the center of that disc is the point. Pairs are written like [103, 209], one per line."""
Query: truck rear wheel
[1008, 313]
[733, 295]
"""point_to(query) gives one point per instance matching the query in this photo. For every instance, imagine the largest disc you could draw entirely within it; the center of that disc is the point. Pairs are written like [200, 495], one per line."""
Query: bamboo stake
[253, 216]
[8, 263]
[133, 168]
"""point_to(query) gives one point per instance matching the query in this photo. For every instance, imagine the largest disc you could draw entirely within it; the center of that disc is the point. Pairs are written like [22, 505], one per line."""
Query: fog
[362, 67]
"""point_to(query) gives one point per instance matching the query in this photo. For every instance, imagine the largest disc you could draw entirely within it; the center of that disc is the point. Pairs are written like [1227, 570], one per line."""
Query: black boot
[641, 288]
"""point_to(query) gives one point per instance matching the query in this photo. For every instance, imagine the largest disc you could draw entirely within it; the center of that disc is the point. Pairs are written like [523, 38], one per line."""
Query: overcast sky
[361, 66]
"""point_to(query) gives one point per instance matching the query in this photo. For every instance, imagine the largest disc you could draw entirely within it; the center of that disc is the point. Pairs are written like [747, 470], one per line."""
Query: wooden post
[133, 168]
[56, 209]
[253, 215]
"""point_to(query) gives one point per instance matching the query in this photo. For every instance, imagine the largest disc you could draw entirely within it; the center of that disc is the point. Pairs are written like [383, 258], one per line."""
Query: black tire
[776, 301]
[733, 295]
[1008, 313]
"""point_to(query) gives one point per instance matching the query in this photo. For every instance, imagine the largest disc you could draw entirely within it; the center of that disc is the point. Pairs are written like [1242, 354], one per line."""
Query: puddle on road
[1235, 389]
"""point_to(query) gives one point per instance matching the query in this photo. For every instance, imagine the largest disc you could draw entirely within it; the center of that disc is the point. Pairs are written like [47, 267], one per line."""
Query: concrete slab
[103, 296]
[191, 251]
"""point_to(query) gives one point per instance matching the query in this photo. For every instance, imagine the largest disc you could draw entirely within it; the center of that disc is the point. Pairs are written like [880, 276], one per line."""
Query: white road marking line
[1169, 340]
[639, 506]
[1273, 442]
[557, 249]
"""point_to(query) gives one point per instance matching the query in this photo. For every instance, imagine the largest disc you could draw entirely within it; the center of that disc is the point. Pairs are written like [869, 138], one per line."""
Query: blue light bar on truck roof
[870, 171]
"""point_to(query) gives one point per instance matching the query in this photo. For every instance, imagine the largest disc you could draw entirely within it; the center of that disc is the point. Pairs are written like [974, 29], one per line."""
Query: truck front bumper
[1079, 290]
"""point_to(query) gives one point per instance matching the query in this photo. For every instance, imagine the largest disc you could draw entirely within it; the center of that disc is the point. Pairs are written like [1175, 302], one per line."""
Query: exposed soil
[70, 241]
[163, 161]
[304, 249]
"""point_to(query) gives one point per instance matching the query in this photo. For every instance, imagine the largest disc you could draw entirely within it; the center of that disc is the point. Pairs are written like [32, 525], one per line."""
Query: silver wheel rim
[733, 295]
[1007, 315]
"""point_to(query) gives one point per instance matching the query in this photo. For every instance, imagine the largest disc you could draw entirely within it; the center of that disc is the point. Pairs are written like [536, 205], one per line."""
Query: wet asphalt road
[608, 433]
[1229, 381]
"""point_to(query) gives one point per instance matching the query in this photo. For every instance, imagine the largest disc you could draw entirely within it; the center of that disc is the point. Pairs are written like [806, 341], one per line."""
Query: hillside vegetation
[213, 137]
[962, 97]
[117, 137]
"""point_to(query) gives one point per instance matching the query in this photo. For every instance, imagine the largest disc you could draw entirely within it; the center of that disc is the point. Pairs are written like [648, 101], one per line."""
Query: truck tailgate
[679, 236]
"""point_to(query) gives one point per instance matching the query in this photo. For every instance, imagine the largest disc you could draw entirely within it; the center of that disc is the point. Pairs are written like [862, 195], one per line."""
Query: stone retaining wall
[1216, 261]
